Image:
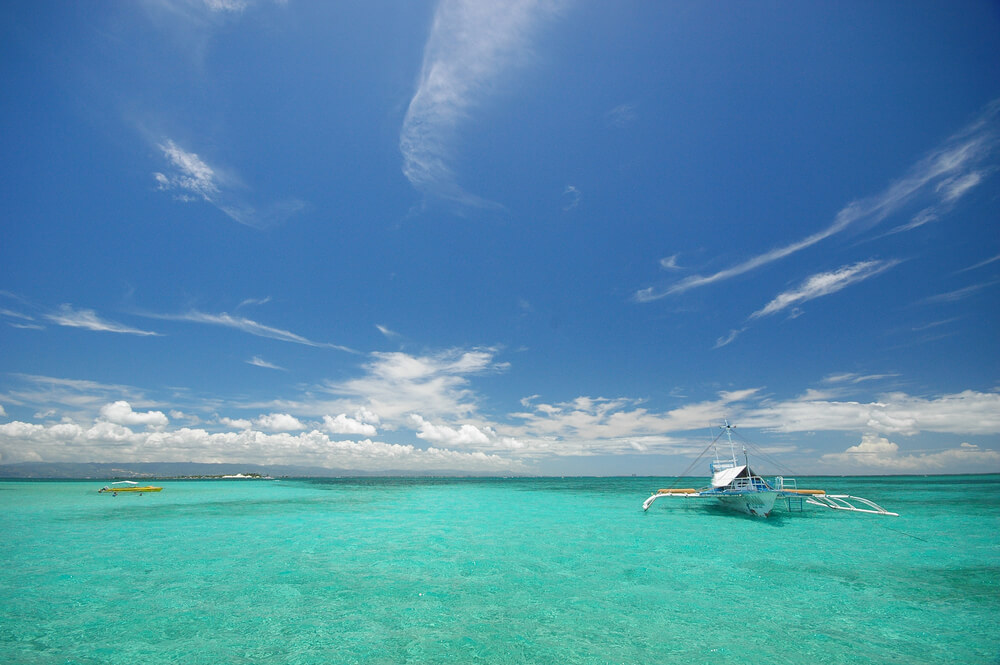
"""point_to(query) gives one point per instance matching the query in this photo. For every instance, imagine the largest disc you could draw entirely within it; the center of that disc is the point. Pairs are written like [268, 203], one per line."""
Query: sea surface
[554, 570]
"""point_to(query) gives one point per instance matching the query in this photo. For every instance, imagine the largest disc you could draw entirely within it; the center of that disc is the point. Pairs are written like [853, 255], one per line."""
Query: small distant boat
[736, 486]
[127, 486]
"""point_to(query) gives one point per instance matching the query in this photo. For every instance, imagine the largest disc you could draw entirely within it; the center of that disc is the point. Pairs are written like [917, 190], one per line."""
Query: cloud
[622, 115]
[967, 412]
[89, 320]
[226, 5]
[44, 393]
[441, 434]
[386, 332]
[988, 261]
[254, 301]
[571, 198]
[121, 413]
[343, 424]
[954, 188]
[257, 361]
[109, 442]
[669, 263]
[190, 179]
[398, 384]
[878, 453]
[236, 423]
[730, 338]
[591, 426]
[852, 378]
[944, 175]
[191, 176]
[278, 422]
[823, 284]
[470, 46]
[959, 294]
[248, 326]
[3, 413]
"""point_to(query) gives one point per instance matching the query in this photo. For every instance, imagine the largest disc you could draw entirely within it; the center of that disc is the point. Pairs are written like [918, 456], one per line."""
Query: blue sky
[537, 237]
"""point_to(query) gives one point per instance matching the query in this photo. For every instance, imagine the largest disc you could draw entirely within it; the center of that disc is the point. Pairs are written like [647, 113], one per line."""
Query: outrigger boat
[736, 486]
[127, 486]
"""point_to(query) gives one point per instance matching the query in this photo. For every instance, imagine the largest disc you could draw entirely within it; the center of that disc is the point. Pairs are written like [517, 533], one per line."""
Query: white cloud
[955, 188]
[853, 378]
[190, 178]
[386, 332]
[257, 361]
[43, 393]
[254, 301]
[823, 284]
[470, 46]
[397, 384]
[623, 114]
[967, 412]
[987, 262]
[945, 174]
[226, 5]
[3, 413]
[343, 424]
[236, 423]
[279, 422]
[589, 426]
[108, 442]
[571, 198]
[89, 320]
[876, 453]
[959, 294]
[442, 434]
[193, 177]
[669, 263]
[121, 413]
[730, 338]
[248, 326]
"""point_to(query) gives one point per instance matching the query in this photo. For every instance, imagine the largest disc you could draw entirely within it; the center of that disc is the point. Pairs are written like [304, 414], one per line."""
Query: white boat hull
[758, 504]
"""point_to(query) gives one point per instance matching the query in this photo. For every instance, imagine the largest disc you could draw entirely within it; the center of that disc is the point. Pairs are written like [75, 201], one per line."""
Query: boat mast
[732, 446]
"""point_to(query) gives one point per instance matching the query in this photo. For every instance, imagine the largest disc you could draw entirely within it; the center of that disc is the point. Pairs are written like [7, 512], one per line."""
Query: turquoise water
[494, 571]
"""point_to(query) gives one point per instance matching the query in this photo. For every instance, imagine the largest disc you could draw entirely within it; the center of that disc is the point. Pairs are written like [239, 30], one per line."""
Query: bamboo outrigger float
[736, 486]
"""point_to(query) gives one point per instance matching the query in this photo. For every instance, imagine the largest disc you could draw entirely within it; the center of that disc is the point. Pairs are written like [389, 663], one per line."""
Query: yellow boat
[127, 486]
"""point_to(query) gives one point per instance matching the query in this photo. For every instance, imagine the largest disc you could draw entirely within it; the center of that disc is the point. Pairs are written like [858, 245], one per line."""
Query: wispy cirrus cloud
[824, 284]
[257, 361]
[386, 331]
[89, 320]
[959, 294]
[190, 178]
[471, 45]
[815, 286]
[623, 114]
[943, 176]
[248, 326]
[571, 198]
[977, 266]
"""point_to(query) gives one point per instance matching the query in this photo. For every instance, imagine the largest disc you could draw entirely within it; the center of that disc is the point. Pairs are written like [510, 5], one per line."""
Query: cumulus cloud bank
[876, 453]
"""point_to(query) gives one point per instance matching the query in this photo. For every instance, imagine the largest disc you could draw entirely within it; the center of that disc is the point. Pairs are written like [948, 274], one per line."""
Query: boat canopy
[726, 476]
[125, 482]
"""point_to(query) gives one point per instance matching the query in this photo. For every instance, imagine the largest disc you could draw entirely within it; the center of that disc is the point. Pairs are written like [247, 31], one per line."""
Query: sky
[534, 237]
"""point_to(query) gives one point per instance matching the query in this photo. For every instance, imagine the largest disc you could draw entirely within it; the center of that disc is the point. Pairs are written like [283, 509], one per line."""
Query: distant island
[191, 471]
